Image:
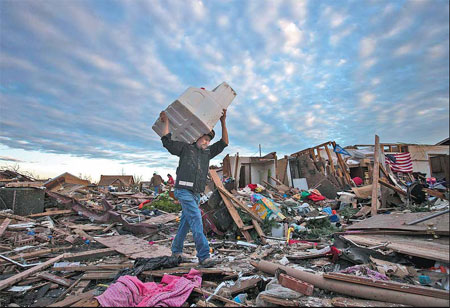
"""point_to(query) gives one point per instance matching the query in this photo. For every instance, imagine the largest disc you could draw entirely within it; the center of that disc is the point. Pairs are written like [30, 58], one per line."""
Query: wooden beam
[18, 277]
[50, 213]
[4, 225]
[73, 299]
[330, 160]
[233, 212]
[89, 254]
[240, 205]
[343, 167]
[390, 285]
[259, 231]
[375, 177]
[393, 187]
[56, 279]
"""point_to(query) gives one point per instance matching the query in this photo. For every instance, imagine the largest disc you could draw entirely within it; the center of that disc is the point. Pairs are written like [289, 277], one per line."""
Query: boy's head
[203, 141]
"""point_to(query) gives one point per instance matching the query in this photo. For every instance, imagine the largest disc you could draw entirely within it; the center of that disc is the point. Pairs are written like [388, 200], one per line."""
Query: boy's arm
[174, 147]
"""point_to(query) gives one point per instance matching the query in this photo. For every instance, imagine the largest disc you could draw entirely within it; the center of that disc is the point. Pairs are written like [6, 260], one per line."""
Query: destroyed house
[121, 182]
[63, 179]
[430, 160]
[250, 170]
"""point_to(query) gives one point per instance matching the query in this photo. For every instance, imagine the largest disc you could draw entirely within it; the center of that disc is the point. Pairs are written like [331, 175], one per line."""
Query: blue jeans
[156, 189]
[191, 218]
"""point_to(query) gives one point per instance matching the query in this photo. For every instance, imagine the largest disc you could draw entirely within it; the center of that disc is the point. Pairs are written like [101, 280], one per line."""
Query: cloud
[367, 47]
[11, 159]
[304, 72]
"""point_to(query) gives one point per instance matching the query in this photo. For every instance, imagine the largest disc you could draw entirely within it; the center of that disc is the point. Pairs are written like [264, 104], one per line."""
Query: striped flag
[400, 162]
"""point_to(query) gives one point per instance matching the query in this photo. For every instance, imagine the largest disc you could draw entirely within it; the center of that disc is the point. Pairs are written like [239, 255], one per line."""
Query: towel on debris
[129, 291]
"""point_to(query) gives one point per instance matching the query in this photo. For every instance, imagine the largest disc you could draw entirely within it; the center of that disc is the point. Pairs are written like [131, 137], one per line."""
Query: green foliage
[320, 228]
[348, 212]
[164, 203]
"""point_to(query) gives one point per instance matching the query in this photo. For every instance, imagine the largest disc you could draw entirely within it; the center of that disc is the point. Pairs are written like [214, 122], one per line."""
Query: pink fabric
[129, 291]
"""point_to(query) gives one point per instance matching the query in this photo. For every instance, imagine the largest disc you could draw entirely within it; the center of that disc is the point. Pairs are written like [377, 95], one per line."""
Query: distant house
[65, 178]
[250, 170]
[120, 182]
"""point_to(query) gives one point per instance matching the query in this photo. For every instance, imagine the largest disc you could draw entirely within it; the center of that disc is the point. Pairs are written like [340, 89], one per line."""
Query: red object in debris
[357, 180]
[296, 284]
[315, 197]
[333, 212]
[252, 186]
[203, 88]
[142, 204]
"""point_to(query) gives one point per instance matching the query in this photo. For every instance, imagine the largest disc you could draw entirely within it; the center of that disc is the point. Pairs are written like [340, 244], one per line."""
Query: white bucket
[196, 112]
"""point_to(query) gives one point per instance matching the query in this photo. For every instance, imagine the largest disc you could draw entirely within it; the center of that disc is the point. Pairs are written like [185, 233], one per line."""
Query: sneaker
[208, 262]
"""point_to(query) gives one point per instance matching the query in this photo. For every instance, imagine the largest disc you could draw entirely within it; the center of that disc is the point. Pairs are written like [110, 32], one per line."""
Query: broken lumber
[234, 214]
[51, 213]
[375, 177]
[390, 285]
[56, 279]
[353, 302]
[348, 288]
[18, 277]
[16, 217]
[89, 254]
[73, 299]
[4, 225]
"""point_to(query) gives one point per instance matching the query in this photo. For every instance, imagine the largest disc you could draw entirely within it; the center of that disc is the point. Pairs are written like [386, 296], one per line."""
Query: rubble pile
[319, 230]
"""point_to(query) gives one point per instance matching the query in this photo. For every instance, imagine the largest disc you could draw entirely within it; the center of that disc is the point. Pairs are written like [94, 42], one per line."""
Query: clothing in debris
[150, 264]
[194, 162]
[191, 218]
[129, 291]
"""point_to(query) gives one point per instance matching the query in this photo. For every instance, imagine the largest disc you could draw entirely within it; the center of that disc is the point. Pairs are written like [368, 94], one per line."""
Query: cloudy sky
[82, 82]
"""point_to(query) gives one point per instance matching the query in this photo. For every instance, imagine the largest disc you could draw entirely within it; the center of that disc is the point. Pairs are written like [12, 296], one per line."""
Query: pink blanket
[129, 291]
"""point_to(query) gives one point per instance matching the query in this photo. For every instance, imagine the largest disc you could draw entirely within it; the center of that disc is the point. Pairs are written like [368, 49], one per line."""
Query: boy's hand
[224, 116]
[163, 117]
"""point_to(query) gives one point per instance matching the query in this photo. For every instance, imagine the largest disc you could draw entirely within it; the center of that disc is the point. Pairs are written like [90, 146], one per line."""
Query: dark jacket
[194, 162]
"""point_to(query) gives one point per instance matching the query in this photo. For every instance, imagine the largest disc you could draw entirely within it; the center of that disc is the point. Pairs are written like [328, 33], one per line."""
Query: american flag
[400, 162]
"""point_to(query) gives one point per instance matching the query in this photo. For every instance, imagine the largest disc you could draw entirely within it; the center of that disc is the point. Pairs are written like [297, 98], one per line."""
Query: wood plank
[4, 225]
[18, 277]
[239, 203]
[435, 193]
[343, 166]
[89, 254]
[16, 217]
[56, 279]
[73, 299]
[51, 213]
[260, 231]
[353, 302]
[375, 177]
[87, 268]
[330, 159]
[234, 214]
[99, 275]
[406, 245]
[74, 284]
[394, 188]
[390, 285]
[398, 221]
